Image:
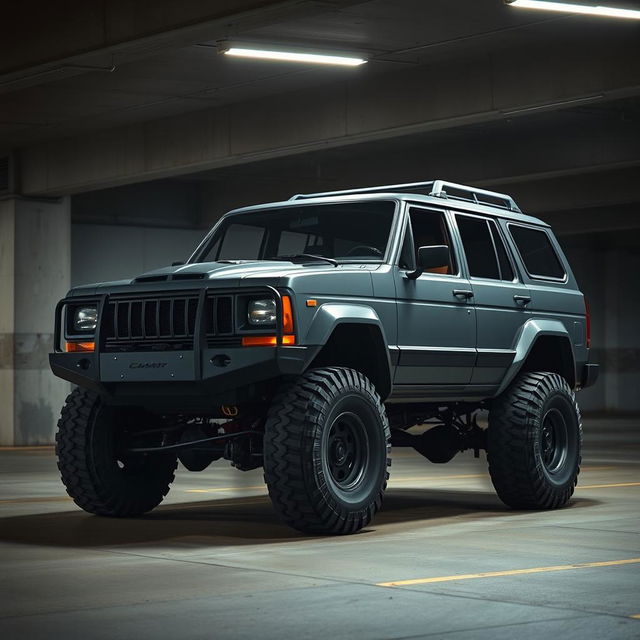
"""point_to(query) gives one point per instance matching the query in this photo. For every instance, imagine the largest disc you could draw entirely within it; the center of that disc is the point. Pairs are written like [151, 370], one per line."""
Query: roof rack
[436, 188]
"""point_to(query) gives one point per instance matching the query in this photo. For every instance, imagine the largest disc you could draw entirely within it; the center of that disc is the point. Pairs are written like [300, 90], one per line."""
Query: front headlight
[262, 312]
[85, 319]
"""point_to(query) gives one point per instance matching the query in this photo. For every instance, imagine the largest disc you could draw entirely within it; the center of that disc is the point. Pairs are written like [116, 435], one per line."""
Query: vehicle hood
[235, 273]
[233, 269]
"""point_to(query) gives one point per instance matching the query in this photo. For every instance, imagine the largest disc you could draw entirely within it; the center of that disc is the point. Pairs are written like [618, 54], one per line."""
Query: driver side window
[426, 228]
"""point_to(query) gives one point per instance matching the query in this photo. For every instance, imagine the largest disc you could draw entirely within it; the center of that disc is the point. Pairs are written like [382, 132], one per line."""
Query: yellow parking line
[607, 486]
[464, 476]
[215, 490]
[514, 572]
[444, 477]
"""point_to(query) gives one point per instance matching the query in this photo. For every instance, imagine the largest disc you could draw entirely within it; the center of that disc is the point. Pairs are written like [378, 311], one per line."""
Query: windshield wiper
[305, 257]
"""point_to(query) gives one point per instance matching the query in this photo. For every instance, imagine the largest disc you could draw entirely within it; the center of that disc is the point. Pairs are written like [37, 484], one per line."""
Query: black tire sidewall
[87, 460]
[374, 474]
[565, 476]
[295, 451]
[515, 442]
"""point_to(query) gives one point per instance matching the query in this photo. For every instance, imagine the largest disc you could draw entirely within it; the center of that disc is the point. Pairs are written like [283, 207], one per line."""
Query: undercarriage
[236, 434]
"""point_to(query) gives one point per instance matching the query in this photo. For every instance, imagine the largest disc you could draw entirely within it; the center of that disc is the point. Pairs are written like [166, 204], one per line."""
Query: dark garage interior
[126, 132]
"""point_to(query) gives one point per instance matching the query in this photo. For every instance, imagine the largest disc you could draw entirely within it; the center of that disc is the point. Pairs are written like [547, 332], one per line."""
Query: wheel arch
[352, 336]
[543, 345]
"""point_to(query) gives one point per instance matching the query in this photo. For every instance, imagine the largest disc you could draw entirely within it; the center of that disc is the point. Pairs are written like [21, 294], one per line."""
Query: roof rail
[437, 188]
[443, 189]
[417, 187]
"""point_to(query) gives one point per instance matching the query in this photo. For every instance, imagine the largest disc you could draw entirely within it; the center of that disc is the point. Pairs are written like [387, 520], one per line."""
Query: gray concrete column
[35, 258]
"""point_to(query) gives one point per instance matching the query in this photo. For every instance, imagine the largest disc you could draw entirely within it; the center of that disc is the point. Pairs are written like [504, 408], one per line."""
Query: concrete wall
[7, 318]
[34, 275]
[162, 203]
[113, 252]
[607, 267]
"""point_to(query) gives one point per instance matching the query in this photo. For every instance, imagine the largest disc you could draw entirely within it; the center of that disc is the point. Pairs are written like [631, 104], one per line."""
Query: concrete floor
[214, 562]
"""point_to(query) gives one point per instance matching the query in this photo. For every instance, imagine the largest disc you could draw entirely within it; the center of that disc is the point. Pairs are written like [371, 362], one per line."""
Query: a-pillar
[35, 258]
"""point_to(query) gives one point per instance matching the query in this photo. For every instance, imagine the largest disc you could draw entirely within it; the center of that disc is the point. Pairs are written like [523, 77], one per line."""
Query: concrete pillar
[35, 257]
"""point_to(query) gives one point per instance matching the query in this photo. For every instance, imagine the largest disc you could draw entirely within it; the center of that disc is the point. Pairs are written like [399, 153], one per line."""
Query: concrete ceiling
[83, 65]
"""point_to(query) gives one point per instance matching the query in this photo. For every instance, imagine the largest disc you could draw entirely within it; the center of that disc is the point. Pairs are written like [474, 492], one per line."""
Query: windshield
[357, 232]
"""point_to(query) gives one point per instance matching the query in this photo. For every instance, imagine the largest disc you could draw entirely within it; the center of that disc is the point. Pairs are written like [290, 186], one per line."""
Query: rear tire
[534, 442]
[98, 477]
[326, 447]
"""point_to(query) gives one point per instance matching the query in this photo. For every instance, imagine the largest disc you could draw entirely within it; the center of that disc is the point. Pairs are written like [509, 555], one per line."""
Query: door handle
[463, 293]
[524, 299]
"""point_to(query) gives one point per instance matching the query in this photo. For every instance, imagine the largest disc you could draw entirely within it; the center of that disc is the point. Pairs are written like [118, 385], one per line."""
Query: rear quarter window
[538, 254]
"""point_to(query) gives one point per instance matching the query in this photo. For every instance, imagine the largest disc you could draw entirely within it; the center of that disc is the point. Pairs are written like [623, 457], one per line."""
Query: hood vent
[188, 276]
[175, 276]
[151, 279]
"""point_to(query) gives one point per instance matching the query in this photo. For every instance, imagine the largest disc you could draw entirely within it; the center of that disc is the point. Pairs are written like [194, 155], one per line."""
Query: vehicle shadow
[242, 521]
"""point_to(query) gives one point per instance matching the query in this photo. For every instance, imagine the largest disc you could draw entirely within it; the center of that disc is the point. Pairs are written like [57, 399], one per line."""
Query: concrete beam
[371, 107]
[42, 41]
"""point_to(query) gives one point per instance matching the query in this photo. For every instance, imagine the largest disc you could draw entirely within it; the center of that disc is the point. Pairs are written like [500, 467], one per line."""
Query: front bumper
[200, 375]
[176, 380]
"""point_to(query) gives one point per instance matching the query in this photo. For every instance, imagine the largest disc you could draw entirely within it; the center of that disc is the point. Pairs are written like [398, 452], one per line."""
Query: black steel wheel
[96, 470]
[534, 442]
[326, 448]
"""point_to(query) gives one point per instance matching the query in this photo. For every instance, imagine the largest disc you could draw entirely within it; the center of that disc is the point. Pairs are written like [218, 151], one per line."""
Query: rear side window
[485, 251]
[537, 252]
[478, 247]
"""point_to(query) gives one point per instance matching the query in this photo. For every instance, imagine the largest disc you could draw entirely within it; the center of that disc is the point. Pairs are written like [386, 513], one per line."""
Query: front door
[436, 315]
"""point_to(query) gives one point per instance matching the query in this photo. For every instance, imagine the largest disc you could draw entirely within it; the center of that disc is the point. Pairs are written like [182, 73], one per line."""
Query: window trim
[487, 220]
[545, 230]
[449, 229]
[507, 250]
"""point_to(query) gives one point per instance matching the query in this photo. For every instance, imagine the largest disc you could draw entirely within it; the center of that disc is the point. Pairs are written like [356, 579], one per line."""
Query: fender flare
[331, 315]
[530, 332]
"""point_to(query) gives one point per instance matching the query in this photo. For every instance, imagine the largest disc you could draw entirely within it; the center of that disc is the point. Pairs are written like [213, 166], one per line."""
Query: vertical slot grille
[165, 322]
[224, 315]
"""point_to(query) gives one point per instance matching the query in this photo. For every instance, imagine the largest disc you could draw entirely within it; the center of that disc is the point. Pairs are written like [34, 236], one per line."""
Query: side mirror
[177, 263]
[432, 257]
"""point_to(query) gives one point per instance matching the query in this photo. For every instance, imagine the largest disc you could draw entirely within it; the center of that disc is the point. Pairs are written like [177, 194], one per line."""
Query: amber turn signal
[74, 347]
[266, 341]
[287, 315]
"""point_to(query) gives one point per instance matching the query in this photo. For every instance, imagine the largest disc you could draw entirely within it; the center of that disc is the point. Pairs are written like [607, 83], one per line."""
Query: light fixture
[292, 56]
[584, 9]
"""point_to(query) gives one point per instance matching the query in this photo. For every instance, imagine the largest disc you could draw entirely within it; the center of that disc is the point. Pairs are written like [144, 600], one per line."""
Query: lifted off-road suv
[307, 336]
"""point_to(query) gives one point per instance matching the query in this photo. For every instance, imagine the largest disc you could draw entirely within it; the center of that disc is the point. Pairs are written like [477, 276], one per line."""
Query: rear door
[436, 317]
[501, 299]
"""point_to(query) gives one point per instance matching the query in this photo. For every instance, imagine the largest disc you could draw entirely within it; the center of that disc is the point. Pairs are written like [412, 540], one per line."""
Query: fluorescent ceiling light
[290, 56]
[585, 9]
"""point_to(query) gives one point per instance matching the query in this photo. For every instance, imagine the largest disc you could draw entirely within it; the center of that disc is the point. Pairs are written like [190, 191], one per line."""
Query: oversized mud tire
[98, 477]
[534, 442]
[326, 451]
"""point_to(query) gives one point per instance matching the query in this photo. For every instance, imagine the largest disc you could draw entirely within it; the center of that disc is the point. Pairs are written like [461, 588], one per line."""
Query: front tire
[326, 447]
[97, 475]
[534, 442]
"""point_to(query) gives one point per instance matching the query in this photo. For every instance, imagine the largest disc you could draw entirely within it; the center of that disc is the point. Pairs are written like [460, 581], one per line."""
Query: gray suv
[307, 336]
